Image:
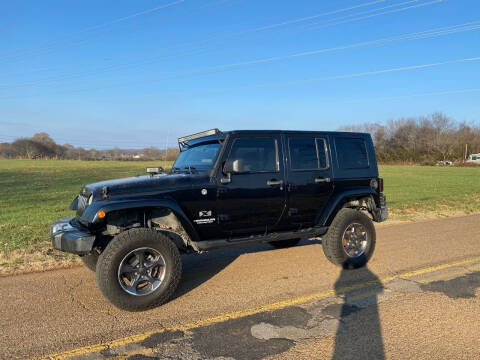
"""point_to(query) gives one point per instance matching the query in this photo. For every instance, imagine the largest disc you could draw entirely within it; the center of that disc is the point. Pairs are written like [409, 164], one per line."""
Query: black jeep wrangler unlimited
[226, 189]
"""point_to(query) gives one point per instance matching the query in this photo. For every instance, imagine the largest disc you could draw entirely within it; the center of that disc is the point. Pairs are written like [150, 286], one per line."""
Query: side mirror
[231, 167]
[238, 166]
[234, 166]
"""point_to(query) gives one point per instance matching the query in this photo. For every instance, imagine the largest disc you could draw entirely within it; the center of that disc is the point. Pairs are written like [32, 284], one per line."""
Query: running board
[223, 243]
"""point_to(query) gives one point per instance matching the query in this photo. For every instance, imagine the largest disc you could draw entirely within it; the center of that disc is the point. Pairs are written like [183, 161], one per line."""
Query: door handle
[274, 182]
[322, 180]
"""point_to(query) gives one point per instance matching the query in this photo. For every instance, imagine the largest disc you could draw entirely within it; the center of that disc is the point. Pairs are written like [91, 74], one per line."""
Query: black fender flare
[337, 200]
[90, 215]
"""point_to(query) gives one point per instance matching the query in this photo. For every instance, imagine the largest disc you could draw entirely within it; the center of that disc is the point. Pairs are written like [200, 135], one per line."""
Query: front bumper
[68, 237]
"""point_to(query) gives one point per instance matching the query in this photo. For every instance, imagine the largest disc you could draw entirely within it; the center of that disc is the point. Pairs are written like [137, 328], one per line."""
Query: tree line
[42, 146]
[422, 140]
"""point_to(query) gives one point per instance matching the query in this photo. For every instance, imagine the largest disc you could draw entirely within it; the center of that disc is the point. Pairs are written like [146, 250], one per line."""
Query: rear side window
[351, 153]
[257, 155]
[307, 153]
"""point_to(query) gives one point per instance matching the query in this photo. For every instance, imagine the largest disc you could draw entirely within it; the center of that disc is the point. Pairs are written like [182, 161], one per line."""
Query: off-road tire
[90, 261]
[117, 249]
[284, 243]
[332, 241]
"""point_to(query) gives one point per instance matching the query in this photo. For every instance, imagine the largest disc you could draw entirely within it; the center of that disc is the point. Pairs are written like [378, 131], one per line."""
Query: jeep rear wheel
[139, 269]
[350, 240]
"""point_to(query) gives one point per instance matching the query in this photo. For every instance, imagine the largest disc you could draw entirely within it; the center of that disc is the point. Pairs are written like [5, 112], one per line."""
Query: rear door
[254, 199]
[309, 178]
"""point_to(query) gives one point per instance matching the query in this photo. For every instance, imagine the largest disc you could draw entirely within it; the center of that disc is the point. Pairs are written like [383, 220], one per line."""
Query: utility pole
[466, 153]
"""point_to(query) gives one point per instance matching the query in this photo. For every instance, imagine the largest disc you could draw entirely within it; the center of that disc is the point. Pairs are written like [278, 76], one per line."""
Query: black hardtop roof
[215, 134]
[300, 132]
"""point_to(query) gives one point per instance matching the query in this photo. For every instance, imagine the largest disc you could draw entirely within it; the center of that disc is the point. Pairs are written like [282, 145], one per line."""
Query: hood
[143, 185]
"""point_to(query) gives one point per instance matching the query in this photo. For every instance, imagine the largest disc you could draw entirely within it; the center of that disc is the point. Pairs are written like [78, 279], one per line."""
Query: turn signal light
[101, 214]
[381, 184]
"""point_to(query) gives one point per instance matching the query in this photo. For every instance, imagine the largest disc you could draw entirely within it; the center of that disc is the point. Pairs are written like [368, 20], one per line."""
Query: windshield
[199, 157]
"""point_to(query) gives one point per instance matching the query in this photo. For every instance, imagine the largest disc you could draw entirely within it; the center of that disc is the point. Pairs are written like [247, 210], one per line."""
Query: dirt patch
[420, 215]
[35, 260]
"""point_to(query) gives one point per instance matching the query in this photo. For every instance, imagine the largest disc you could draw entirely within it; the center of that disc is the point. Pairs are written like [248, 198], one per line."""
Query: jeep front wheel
[350, 240]
[139, 269]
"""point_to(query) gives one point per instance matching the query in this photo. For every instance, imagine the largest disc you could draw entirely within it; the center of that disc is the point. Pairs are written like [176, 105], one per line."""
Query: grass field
[34, 193]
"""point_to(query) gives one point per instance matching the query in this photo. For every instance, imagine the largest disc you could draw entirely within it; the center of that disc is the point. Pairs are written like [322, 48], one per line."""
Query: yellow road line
[437, 268]
[238, 314]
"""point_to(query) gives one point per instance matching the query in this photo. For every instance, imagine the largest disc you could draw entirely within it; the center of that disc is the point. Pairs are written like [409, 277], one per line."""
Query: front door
[251, 199]
[309, 179]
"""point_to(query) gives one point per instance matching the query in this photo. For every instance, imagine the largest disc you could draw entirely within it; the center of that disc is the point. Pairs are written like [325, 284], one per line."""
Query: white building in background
[473, 158]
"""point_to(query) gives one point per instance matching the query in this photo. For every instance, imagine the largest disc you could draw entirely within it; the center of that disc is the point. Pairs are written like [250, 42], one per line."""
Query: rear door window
[351, 153]
[307, 154]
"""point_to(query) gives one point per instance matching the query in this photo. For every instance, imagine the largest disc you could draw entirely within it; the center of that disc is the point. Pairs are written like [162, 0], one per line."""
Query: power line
[250, 30]
[270, 26]
[55, 42]
[469, 26]
[202, 51]
[347, 76]
[99, 26]
[283, 23]
[336, 77]
[214, 37]
[406, 37]
[355, 17]
[336, 22]
[398, 97]
[106, 69]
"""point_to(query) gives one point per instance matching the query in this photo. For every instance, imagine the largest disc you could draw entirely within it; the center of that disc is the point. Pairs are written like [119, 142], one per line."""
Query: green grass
[36, 192]
[414, 191]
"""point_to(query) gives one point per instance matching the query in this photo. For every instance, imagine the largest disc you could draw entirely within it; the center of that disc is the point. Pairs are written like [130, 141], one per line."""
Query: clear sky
[137, 73]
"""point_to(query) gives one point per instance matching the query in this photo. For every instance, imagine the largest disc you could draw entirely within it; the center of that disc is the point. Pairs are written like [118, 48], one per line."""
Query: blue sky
[137, 73]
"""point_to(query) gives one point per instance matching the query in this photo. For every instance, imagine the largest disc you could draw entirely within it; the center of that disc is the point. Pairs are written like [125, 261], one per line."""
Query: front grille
[82, 204]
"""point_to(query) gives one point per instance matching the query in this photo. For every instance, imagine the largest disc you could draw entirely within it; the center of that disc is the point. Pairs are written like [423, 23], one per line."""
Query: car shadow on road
[359, 334]
[199, 268]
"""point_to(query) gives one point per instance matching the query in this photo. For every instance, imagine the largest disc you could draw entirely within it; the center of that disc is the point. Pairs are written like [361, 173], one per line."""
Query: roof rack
[200, 135]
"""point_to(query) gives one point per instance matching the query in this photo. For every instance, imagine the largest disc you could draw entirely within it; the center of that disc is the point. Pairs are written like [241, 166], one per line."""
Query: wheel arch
[354, 198]
[163, 215]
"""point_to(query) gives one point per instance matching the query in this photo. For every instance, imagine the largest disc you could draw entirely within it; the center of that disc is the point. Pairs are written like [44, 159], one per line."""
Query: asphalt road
[418, 298]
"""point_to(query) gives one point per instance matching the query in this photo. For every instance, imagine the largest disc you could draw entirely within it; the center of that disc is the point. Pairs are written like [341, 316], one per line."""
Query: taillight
[381, 184]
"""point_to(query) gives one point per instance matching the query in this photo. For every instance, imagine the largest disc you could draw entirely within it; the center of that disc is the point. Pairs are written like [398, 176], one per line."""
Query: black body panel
[252, 202]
